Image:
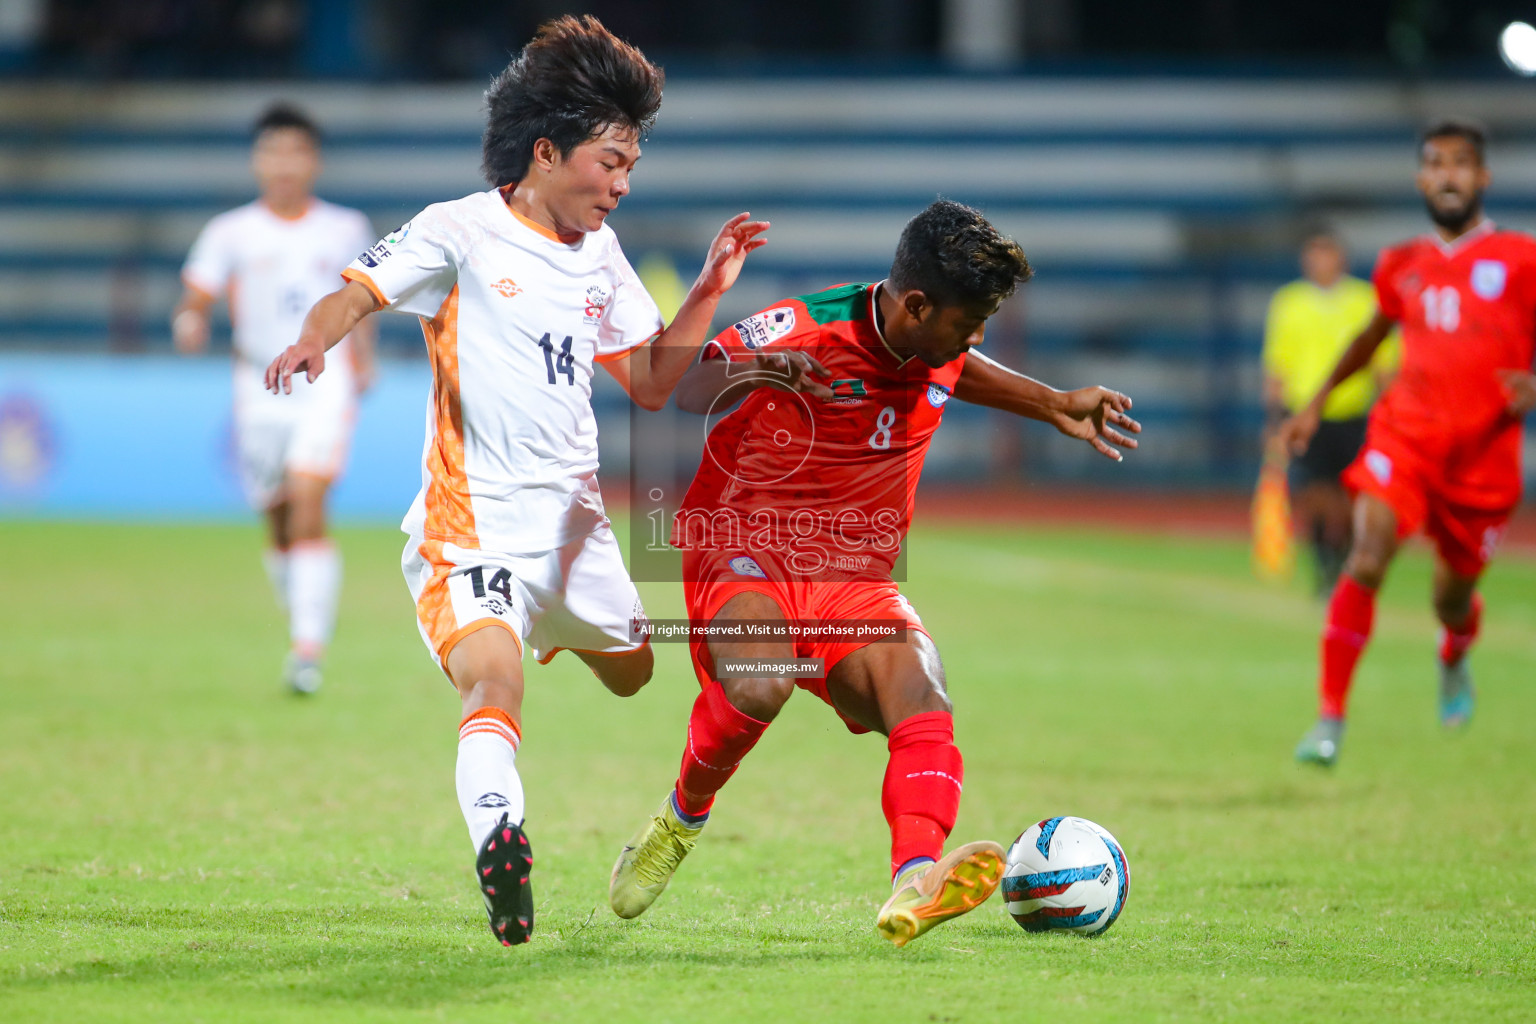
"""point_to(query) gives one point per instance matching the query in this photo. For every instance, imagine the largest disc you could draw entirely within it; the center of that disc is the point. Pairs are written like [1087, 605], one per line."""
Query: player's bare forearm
[717, 384]
[658, 368]
[985, 381]
[1356, 357]
[1096, 415]
[337, 314]
[653, 371]
[328, 321]
[708, 385]
[1296, 433]
[365, 337]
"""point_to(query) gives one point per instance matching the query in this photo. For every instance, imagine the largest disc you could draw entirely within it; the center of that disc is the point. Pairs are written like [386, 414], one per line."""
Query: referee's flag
[1274, 551]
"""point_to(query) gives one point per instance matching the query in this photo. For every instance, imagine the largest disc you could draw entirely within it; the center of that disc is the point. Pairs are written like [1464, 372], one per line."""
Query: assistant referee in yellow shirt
[1311, 322]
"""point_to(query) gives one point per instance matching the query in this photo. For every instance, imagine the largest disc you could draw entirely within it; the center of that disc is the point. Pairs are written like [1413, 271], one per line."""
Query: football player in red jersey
[796, 516]
[1442, 451]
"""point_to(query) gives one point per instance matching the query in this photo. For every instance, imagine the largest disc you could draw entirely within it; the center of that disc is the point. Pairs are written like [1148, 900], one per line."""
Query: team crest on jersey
[744, 565]
[938, 394]
[639, 625]
[766, 327]
[597, 301]
[397, 236]
[1488, 277]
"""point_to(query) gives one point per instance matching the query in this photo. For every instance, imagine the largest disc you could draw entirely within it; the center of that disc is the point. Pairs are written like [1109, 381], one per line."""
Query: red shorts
[711, 578]
[1462, 503]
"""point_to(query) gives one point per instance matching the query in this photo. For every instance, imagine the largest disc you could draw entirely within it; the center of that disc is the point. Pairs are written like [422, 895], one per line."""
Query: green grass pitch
[182, 841]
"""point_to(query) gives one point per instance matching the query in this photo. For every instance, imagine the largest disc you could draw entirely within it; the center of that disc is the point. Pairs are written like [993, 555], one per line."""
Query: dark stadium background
[424, 40]
[1159, 162]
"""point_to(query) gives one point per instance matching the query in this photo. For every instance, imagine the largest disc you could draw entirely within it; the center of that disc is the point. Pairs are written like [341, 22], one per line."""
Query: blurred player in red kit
[1442, 451]
[796, 515]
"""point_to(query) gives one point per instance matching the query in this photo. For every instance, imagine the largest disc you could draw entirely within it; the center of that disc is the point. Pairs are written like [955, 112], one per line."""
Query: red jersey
[1467, 309]
[828, 484]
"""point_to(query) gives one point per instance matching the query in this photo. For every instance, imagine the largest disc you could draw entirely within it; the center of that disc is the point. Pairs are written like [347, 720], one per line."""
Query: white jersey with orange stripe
[515, 322]
[274, 268]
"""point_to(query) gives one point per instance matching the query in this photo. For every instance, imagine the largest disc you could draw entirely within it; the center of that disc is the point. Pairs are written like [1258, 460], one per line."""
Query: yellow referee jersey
[1308, 329]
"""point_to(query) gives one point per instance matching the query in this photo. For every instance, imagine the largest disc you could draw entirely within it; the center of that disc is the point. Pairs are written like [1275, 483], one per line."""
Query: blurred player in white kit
[272, 259]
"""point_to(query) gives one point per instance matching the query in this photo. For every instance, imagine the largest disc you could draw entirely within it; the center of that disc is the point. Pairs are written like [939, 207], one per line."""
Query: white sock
[486, 774]
[314, 583]
[276, 562]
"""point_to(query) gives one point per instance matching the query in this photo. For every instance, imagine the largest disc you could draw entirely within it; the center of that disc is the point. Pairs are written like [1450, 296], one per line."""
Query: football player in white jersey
[272, 259]
[522, 292]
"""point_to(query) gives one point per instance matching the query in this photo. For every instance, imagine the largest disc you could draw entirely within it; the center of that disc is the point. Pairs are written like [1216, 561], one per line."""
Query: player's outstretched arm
[1089, 414]
[365, 354]
[1296, 432]
[718, 384]
[330, 320]
[651, 372]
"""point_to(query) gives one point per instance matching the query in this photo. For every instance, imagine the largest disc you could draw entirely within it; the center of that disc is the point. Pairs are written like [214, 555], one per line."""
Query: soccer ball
[1068, 874]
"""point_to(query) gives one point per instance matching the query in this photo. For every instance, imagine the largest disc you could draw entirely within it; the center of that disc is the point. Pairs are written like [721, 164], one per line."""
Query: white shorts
[306, 432]
[578, 597]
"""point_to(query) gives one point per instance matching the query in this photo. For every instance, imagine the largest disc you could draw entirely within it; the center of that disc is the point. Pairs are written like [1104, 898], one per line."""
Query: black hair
[1321, 231]
[286, 115]
[1458, 128]
[953, 255]
[570, 83]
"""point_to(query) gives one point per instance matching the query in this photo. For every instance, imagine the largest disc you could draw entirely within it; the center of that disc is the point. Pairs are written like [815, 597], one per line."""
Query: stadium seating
[1160, 214]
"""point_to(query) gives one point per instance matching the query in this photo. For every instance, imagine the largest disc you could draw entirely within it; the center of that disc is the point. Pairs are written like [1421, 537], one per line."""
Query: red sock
[1455, 642]
[921, 794]
[719, 736]
[1345, 634]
